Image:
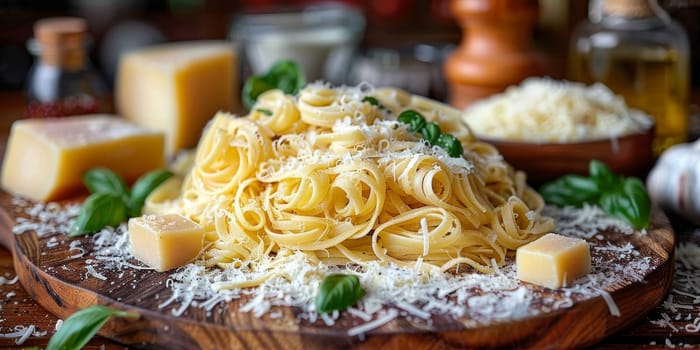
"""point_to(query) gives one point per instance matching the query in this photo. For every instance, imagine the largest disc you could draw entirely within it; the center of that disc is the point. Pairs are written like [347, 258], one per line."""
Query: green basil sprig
[101, 180]
[285, 75]
[338, 292]
[625, 198]
[265, 111]
[431, 132]
[143, 187]
[111, 202]
[374, 102]
[81, 326]
[99, 210]
[415, 121]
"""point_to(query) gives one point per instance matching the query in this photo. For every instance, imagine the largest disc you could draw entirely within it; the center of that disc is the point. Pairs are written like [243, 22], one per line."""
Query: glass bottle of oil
[637, 50]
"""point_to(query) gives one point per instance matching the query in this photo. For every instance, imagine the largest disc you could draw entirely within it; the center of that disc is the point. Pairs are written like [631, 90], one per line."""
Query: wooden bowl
[630, 155]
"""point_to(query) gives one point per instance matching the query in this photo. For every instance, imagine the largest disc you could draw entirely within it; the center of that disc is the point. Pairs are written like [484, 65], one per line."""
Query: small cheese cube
[164, 242]
[177, 88]
[45, 159]
[553, 260]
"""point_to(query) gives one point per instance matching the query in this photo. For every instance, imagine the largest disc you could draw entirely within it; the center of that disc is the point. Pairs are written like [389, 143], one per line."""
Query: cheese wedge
[45, 159]
[177, 88]
[553, 260]
[164, 242]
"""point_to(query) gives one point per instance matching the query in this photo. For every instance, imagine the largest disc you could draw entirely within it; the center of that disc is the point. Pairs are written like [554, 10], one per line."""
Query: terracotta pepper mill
[496, 49]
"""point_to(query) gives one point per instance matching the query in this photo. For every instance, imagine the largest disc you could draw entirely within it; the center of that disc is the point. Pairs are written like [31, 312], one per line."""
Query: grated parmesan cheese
[408, 293]
[5, 281]
[544, 110]
[381, 320]
[611, 303]
[92, 272]
[21, 333]
[683, 301]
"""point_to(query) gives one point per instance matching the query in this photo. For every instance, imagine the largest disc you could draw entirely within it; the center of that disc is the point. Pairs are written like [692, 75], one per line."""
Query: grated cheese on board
[681, 309]
[391, 292]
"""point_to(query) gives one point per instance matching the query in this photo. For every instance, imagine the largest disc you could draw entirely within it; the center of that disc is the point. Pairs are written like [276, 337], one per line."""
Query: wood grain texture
[60, 285]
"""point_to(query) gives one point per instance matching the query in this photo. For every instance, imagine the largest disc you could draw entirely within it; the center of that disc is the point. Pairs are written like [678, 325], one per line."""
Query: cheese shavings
[681, 309]
[392, 292]
[21, 333]
[585, 222]
[611, 303]
[5, 281]
[380, 321]
[92, 272]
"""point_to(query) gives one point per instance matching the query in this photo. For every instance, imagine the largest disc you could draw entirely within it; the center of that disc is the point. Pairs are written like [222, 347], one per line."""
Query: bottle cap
[61, 40]
[628, 8]
[61, 31]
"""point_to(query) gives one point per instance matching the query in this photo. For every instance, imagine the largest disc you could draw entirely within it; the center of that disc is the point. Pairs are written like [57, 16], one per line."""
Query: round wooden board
[59, 283]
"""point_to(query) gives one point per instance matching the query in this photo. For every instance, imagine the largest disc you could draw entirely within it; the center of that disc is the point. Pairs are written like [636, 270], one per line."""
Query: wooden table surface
[18, 310]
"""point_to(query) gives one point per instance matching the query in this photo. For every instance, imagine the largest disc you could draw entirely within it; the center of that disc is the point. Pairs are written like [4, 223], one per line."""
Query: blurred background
[411, 33]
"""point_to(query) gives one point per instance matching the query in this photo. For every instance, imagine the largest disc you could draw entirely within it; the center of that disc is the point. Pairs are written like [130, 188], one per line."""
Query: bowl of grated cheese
[550, 128]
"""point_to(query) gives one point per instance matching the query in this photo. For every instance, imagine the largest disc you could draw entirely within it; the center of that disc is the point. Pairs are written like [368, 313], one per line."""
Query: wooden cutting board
[59, 283]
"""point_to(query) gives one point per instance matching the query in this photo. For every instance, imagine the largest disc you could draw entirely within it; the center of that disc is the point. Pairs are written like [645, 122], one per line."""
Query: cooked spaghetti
[338, 178]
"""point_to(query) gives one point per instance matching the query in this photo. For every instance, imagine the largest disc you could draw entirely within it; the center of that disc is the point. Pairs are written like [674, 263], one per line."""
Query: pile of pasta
[338, 178]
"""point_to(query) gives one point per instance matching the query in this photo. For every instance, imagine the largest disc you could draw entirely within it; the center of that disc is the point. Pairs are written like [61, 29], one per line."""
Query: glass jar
[321, 38]
[62, 80]
[634, 47]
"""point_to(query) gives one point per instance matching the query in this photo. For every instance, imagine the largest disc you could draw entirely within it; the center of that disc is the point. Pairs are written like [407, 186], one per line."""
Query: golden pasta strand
[333, 176]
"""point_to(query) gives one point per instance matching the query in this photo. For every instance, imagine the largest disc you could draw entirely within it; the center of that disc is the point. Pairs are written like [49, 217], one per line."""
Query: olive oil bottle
[635, 48]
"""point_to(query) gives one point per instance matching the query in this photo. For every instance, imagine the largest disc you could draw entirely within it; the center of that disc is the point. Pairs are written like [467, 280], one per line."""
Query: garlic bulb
[674, 182]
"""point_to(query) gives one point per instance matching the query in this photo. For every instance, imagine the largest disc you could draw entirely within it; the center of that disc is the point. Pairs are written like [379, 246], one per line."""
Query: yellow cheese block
[553, 260]
[164, 242]
[45, 159]
[178, 87]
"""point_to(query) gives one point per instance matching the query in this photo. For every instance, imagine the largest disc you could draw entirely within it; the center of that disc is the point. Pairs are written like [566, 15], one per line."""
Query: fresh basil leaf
[415, 120]
[80, 327]
[451, 145]
[285, 75]
[265, 111]
[372, 100]
[573, 190]
[640, 202]
[624, 198]
[143, 187]
[338, 292]
[629, 202]
[614, 204]
[99, 210]
[253, 88]
[603, 176]
[431, 132]
[102, 180]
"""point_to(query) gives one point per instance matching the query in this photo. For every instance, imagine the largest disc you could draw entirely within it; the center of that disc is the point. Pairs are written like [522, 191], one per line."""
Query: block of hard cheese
[553, 260]
[45, 159]
[177, 88]
[164, 242]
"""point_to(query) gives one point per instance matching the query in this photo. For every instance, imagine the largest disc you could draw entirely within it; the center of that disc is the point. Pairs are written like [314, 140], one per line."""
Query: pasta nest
[328, 174]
